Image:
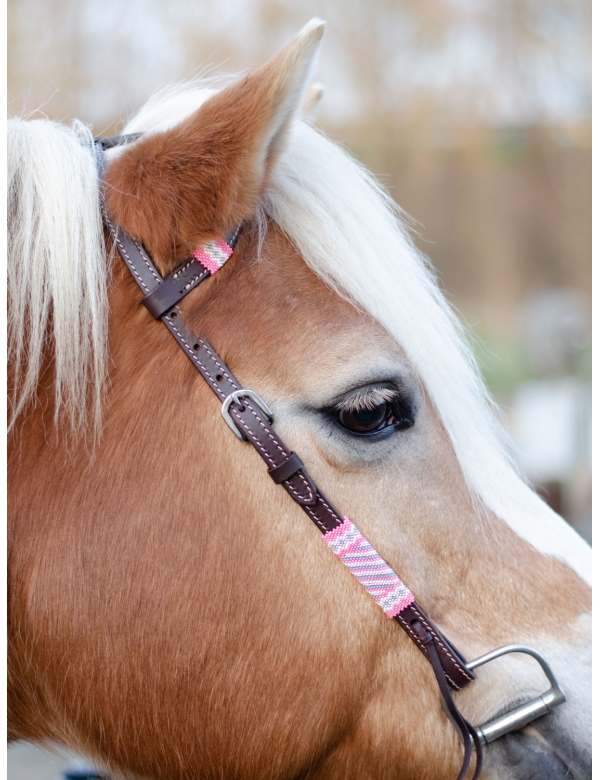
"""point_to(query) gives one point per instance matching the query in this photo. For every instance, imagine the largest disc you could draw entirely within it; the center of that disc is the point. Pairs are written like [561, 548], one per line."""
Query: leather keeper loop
[175, 287]
[286, 470]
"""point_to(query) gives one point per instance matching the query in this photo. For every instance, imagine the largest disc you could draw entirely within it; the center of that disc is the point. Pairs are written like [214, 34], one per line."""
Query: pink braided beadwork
[369, 568]
[213, 255]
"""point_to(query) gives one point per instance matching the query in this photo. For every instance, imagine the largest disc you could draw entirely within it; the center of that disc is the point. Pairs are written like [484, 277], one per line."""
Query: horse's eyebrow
[379, 367]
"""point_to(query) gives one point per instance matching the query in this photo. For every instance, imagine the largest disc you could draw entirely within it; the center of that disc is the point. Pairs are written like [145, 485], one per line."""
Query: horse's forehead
[275, 318]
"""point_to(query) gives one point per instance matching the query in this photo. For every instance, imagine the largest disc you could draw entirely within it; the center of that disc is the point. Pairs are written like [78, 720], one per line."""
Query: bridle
[251, 420]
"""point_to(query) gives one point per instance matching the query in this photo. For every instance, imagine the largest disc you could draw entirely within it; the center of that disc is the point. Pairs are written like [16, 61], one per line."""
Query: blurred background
[474, 113]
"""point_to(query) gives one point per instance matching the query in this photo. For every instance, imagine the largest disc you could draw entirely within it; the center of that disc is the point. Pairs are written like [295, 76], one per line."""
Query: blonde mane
[351, 234]
[57, 270]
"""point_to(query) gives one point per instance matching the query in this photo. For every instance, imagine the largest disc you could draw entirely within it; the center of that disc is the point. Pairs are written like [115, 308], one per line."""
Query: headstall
[251, 420]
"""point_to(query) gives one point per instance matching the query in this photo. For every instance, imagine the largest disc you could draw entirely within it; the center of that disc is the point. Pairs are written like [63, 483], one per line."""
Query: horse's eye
[367, 419]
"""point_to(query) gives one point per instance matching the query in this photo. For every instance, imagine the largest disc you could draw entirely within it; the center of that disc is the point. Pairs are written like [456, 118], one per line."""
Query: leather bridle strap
[468, 734]
[251, 420]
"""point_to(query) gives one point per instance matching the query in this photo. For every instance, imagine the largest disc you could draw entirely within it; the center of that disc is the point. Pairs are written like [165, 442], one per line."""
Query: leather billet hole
[173, 315]
[219, 377]
[196, 347]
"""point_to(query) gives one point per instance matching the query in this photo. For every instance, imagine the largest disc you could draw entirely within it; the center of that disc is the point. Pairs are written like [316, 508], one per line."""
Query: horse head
[173, 613]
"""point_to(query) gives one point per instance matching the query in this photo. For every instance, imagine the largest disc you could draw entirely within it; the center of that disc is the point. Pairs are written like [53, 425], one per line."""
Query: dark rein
[250, 419]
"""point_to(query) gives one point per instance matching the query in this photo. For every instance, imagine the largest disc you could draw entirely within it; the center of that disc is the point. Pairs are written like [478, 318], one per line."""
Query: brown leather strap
[170, 291]
[453, 662]
[257, 429]
[116, 140]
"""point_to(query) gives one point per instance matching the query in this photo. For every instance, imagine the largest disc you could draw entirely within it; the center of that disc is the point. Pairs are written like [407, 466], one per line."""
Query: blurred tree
[457, 61]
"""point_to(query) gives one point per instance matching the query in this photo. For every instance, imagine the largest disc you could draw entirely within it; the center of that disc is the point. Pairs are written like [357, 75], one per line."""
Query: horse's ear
[311, 101]
[176, 189]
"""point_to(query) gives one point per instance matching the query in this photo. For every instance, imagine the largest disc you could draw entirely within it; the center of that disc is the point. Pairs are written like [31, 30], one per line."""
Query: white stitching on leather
[194, 357]
[224, 370]
[147, 261]
[179, 271]
[124, 254]
[315, 518]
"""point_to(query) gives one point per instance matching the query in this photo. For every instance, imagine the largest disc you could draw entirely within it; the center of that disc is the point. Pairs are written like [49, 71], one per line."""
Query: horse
[172, 613]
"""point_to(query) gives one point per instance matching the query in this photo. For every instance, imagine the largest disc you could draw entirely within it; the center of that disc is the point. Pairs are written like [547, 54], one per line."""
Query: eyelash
[372, 411]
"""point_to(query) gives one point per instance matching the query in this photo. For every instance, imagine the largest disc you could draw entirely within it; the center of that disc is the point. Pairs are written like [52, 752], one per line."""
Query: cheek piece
[251, 420]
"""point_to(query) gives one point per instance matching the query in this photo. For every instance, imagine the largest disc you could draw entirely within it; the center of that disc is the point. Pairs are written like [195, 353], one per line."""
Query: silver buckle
[235, 398]
[525, 713]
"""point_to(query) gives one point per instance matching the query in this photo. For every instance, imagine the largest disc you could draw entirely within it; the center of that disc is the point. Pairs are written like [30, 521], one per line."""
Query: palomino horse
[173, 613]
